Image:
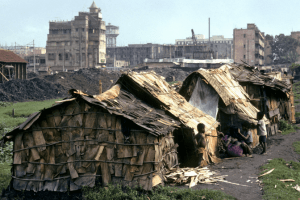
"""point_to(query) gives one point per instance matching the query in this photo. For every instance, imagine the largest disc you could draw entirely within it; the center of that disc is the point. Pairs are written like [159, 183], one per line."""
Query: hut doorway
[187, 156]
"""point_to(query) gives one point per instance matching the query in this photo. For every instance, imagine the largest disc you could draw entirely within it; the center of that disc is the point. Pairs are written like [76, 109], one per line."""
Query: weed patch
[159, 193]
[296, 146]
[4, 175]
[287, 128]
[276, 189]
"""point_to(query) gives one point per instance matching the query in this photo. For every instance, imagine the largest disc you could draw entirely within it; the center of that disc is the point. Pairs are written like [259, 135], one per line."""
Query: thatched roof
[233, 95]
[249, 74]
[145, 99]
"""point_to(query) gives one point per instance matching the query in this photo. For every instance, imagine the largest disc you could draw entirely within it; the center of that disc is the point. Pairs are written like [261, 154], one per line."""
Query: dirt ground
[240, 170]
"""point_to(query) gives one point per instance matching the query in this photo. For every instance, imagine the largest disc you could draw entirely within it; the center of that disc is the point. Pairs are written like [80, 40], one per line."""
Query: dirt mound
[30, 90]
[57, 85]
[86, 80]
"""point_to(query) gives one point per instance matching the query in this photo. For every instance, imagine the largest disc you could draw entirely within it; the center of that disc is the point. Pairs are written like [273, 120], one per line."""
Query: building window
[82, 29]
[244, 56]
[51, 56]
[67, 56]
[76, 29]
[54, 31]
[216, 46]
[65, 31]
[244, 35]
[60, 56]
[42, 61]
[244, 46]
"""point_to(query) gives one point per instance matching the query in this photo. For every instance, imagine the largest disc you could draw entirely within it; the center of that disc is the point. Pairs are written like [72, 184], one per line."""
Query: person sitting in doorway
[200, 142]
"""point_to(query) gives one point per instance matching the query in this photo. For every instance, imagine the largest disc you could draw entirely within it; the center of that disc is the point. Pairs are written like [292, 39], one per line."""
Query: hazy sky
[149, 21]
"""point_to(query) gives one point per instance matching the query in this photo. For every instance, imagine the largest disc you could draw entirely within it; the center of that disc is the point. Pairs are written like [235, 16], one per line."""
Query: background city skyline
[148, 21]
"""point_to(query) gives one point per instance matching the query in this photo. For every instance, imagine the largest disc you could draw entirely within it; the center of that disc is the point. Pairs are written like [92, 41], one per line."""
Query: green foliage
[294, 66]
[283, 48]
[5, 104]
[283, 170]
[22, 111]
[159, 193]
[287, 128]
[4, 175]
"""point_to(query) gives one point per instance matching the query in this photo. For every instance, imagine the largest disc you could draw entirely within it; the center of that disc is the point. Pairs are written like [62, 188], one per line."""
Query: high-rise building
[248, 45]
[79, 43]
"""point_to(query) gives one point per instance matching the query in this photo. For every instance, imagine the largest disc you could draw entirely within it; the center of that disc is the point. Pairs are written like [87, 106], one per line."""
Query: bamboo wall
[70, 146]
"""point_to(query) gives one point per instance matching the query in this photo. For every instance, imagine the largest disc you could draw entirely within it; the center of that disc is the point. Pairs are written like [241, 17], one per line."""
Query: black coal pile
[86, 80]
[179, 74]
[56, 86]
[35, 89]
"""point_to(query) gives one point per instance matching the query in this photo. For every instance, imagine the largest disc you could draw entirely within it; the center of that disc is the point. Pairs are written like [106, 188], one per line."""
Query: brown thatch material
[125, 135]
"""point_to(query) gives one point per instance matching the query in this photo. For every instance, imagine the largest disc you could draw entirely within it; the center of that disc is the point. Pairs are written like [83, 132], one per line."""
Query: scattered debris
[192, 176]
[287, 180]
[268, 172]
[297, 187]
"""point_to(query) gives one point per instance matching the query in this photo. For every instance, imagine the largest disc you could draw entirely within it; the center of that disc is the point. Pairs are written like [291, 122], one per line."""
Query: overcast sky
[149, 21]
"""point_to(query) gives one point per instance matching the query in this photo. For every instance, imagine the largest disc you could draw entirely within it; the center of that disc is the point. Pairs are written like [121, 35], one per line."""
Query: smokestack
[209, 31]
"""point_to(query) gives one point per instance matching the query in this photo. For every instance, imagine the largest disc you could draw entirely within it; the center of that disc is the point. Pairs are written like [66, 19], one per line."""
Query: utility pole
[33, 58]
[80, 54]
[64, 60]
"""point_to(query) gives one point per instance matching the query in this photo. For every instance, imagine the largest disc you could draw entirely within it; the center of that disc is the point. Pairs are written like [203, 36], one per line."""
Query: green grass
[159, 193]
[296, 146]
[287, 128]
[4, 175]
[296, 91]
[22, 111]
[283, 170]
[297, 114]
[171, 83]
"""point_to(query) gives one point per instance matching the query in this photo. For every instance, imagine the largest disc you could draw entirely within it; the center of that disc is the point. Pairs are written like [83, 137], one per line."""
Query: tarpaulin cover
[205, 98]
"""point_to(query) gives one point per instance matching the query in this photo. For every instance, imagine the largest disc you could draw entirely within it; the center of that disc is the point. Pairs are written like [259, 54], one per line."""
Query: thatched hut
[270, 95]
[218, 94]
[125, 135]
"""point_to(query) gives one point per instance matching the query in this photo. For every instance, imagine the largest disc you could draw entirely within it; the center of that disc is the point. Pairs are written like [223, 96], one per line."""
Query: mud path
[241, 170]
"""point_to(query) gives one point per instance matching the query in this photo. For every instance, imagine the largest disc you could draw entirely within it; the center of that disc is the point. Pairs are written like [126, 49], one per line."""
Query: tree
[283, 48]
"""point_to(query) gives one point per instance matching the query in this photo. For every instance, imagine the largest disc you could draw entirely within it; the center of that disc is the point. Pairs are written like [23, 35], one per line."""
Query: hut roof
[250, 74]
[145, 99]
[10, 57]
[152, 88]
[230, 91]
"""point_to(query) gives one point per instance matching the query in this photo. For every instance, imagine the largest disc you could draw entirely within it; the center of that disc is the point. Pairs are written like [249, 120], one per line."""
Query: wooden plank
[72, 170]
[89, 121]
[68, 112]
[105, 172]
[49, 169]
[29, 142]
[119, 139]
[48, 134]
[38, 137]
[90, 154]
[18, 145]
[30, 167]
[111, 138]
[86, 180]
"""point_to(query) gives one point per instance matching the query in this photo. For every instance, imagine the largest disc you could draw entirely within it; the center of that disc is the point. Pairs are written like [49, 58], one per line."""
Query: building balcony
[260, 42]
[259, 52]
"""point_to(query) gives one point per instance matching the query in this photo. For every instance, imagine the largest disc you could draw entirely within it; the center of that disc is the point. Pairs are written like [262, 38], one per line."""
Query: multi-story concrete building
[248, 45]
[112, 33]
[79, 43]
[40, 61]
[201, 39]
[136, 53]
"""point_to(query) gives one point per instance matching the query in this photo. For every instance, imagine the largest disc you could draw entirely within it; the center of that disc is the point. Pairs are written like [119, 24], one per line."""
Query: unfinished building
[248, 45]
[76, 44]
